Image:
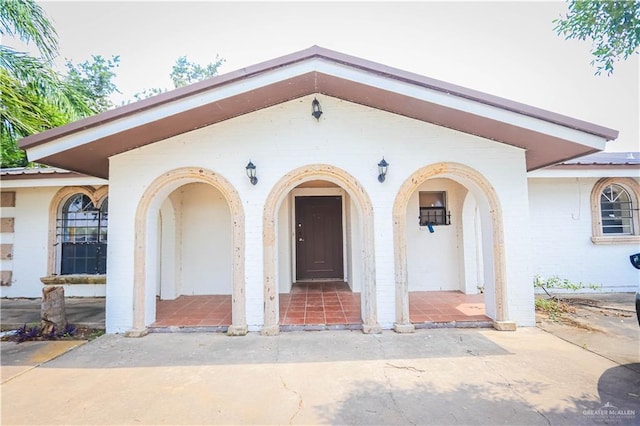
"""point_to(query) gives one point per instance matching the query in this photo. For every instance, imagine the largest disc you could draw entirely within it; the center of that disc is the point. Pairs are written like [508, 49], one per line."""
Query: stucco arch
[363, 204]
[486, 194]
[146, 219]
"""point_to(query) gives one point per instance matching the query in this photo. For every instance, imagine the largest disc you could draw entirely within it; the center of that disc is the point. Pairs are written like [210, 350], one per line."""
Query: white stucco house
[478, 193]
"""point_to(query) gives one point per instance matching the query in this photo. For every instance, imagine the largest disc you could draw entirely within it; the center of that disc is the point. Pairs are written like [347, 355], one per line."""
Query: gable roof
[86, 145]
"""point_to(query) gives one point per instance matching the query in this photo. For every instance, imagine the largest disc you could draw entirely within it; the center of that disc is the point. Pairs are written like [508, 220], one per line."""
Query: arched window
[82, 236]
[616, 210]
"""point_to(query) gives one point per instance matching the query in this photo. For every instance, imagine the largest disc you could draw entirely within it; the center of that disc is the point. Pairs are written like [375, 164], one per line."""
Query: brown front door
[319, 237]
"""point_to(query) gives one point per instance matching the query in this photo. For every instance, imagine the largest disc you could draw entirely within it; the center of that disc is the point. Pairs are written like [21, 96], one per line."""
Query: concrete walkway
[444, 376]
[603, 323]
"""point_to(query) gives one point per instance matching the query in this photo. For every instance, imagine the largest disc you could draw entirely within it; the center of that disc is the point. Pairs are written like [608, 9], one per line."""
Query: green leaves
[613, 27]
[25, 20]
[185, 72]
[92, 80]
[34, 97]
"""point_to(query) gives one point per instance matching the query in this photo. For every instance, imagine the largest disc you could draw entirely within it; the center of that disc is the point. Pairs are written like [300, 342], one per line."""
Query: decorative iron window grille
[433, 208]
[81, 231]
[616, 211]
[434, 216]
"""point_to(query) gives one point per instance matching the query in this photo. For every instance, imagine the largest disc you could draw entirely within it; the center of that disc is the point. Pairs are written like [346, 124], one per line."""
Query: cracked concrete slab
[450, 376]
[605, 324]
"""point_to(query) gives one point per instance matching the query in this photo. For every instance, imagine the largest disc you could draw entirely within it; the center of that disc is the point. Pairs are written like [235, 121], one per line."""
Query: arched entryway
[478, 204]
[160, 225]
[331, 179]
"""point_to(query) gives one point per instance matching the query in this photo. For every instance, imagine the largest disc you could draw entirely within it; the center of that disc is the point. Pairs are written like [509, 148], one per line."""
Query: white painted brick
[284, 137]
[561, 220]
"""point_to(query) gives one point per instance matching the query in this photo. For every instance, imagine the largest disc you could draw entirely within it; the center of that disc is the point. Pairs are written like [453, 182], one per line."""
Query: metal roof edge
[316, 52]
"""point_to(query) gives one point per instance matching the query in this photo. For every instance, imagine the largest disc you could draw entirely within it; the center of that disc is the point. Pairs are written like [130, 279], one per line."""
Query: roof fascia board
[161, 111]
[321, 65]
[301, 56]
[51, 181]
[170, 96]
[465, 104]
[460, 91]
[590, 172]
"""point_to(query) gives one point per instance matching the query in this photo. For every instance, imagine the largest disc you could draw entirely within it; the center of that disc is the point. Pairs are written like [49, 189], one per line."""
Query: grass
[554, 307]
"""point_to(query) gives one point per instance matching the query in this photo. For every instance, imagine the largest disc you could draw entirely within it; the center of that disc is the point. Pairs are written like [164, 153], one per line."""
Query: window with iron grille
[433, 208]
[616, 211]
[82, 235]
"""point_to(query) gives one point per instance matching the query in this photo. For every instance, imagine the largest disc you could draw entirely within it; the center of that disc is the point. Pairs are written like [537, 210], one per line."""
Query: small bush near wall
[553, 306]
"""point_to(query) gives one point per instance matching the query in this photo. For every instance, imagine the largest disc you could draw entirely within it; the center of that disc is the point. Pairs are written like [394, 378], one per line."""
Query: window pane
[104, 215]
[83, 258]
[616, 211]
[82, 230]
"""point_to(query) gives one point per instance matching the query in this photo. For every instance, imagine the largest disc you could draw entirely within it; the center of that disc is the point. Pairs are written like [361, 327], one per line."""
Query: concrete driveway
[605, 324]
[441, 376]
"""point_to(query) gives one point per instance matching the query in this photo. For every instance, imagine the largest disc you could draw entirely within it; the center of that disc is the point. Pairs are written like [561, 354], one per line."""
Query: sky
[507, 49]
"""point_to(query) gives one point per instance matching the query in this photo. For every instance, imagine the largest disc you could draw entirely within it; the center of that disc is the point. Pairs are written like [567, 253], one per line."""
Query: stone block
[7, 224]
[7, 199]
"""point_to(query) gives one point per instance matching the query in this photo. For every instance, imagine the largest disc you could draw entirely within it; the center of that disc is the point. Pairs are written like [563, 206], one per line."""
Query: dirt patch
[579, 324]
[542, 319]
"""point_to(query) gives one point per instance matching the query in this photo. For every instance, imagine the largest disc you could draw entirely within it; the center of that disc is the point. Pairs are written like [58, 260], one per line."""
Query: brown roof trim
[463, 92]
[317, 52]
[600, 160]
[44, 173]
[596, 166]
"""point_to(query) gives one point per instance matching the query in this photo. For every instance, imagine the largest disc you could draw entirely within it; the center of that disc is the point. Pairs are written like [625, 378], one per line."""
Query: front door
[319, 237]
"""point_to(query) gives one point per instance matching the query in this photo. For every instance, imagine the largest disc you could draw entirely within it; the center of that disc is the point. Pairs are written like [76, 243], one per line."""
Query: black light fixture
[382, 170]
[317, 111]
[251, 173]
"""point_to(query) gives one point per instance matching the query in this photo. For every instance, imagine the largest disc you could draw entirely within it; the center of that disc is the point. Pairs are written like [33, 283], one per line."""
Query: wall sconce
[382, 170]
[317, 111]
[251, 173]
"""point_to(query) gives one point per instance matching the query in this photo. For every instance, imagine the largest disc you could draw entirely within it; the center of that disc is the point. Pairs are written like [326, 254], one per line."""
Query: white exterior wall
[512, 190]
[435, 261]
[561, 220]
[283, 137]
[205, 228]
[30, 239]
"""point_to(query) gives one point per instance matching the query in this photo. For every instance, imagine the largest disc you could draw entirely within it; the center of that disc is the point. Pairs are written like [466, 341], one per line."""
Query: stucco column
[403, 322]
[238, 325]
[270, 326]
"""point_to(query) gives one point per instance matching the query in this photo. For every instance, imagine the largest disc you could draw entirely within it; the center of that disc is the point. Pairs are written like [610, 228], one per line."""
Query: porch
[323, 305]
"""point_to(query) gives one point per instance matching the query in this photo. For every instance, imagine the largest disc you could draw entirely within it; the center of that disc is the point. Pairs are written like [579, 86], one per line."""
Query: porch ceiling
[86, 145]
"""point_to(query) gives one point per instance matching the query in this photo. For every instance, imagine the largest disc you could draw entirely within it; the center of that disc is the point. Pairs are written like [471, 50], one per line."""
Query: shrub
[554, 306]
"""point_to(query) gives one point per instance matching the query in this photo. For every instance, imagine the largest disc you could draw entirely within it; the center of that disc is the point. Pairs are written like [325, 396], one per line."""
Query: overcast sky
[508, 49]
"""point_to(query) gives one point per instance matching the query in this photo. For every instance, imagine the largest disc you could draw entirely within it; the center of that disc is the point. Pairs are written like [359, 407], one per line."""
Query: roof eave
[205, 86]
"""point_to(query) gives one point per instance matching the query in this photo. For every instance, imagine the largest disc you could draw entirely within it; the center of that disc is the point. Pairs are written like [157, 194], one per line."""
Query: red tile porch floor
[320, 304]
[194, 311]
[447, 308]
[323, 305]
